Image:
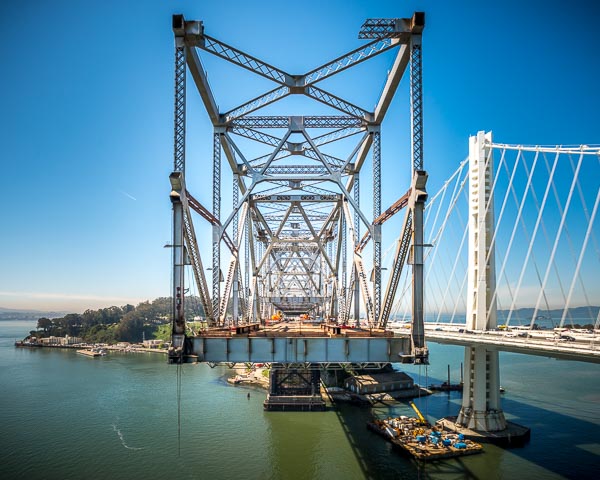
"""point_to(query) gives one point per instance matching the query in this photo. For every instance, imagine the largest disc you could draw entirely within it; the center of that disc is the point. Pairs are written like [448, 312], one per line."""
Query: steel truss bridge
[293, 236]
[297, 239]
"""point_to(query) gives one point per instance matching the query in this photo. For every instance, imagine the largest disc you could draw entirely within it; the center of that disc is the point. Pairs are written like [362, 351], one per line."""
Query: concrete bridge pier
[481, 409]
[481, 417]
[294, 389]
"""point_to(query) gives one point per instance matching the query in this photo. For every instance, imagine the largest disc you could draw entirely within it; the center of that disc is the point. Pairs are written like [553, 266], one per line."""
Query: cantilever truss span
[293, 232]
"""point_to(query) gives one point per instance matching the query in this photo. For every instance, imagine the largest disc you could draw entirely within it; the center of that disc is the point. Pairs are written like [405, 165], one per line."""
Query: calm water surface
[65, 416]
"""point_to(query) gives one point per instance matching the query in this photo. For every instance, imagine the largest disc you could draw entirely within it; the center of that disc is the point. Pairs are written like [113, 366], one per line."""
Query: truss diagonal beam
[402, 246]
[178, 185]
[337, 103]
[346, 61]
[360, 269]
[243, 60]
[256, 103]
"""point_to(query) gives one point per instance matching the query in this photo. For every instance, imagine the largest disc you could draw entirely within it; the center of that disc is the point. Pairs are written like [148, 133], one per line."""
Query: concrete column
[481, 409]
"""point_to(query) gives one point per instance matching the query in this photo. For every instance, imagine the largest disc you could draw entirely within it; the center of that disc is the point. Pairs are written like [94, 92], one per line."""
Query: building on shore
[379, 383]
[60, 341]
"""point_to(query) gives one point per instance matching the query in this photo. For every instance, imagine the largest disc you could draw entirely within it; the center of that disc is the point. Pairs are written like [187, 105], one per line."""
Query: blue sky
[86, 131]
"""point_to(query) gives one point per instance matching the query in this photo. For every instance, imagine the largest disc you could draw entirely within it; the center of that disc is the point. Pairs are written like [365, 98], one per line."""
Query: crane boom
[420, 416]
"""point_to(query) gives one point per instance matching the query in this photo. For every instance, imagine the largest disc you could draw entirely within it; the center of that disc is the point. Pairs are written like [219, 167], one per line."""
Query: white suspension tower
[481, 408]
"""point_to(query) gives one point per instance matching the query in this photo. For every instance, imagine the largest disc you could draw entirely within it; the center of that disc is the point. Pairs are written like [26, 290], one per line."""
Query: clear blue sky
[86, 95]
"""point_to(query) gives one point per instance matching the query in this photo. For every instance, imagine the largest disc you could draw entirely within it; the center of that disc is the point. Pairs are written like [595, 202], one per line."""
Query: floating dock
[422, 442]
[92, 352]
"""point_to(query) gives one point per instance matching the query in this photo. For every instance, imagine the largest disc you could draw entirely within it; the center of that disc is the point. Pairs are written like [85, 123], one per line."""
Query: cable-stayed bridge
[544, 238]
[300, 273]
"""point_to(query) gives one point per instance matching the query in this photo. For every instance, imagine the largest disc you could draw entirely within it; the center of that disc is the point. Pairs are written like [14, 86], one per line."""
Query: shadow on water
[561, 443]
[560, 446]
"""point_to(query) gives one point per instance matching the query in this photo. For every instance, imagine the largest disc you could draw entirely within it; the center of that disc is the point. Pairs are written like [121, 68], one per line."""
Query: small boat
[422, 442]
[502, 390]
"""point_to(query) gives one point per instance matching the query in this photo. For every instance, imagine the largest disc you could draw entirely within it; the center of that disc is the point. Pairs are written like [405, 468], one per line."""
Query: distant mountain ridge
[574, 312]
[26, 314]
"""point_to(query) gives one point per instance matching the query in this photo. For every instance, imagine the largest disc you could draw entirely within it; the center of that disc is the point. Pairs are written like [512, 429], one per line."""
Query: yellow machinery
[420, 416]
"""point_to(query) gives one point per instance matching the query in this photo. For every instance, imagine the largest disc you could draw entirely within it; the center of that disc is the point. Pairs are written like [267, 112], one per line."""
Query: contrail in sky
[127, 195]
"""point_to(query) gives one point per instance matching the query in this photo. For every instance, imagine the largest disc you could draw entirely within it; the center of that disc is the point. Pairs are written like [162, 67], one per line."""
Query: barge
[422, 442]
[93, 352]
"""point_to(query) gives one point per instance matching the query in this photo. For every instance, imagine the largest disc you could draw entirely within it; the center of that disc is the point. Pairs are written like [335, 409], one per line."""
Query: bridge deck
[584, 350]
[294, 329]
[299, 343]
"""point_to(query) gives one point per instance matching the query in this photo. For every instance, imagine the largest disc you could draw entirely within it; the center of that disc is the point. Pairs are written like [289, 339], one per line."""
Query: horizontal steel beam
[323, 121]
[294, 198]
[300, 349]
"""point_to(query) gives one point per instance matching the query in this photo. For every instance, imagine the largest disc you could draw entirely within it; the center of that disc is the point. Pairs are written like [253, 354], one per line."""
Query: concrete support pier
[481, 414]
[512, 435]
[294, 389]
[481, 409]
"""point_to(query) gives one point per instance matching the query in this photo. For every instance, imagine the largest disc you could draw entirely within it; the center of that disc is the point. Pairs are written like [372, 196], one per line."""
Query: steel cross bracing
[296, 206]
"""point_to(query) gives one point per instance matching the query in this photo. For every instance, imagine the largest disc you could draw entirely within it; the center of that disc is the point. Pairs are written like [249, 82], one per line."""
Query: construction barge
[92, 352]
[421, 441]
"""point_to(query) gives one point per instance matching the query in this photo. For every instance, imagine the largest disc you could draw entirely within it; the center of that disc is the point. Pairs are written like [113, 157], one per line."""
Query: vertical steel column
[236, 285]
[357, 230]
[376, 228]
[216, 263]
[247, 263]
[235, 201]
[178, 330]
[416, 112]
[342, 297]
[179, 127]
[330, 284]
[260, 282]
[178, 312]
[416, 103]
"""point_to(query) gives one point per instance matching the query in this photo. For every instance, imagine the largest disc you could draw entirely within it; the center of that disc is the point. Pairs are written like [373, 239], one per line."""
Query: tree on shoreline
[113, 324]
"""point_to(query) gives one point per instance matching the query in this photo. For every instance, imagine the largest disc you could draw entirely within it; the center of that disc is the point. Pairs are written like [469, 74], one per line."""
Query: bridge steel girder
[293, 223]
[288, 350]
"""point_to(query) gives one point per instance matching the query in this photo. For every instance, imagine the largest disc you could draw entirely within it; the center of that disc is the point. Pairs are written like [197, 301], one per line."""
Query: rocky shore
[258, 377]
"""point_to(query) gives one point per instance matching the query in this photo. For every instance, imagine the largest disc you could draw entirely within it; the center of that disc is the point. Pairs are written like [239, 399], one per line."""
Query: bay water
[66, 416]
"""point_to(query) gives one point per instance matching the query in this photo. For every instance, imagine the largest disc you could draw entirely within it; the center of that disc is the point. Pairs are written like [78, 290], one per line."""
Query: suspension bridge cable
[580, 260]
[558, 235]
[532, 238]
[521, 221]
[587, 217]
[569, 240]
[539, 220]
[458, 189]
[512, 236]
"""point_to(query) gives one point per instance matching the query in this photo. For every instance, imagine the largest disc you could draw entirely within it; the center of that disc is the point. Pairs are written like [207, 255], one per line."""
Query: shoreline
[112, 348]
[254, 378]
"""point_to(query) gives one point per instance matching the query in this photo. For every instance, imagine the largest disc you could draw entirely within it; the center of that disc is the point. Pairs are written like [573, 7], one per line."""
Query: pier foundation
[294, 389]
[481, 414]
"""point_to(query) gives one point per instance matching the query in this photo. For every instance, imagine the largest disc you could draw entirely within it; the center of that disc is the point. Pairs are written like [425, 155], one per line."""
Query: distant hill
[23, 314]
[589, 313]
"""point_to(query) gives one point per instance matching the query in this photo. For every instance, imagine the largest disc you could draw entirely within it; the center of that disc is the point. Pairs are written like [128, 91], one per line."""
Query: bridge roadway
[584, 347]
[298, 343]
